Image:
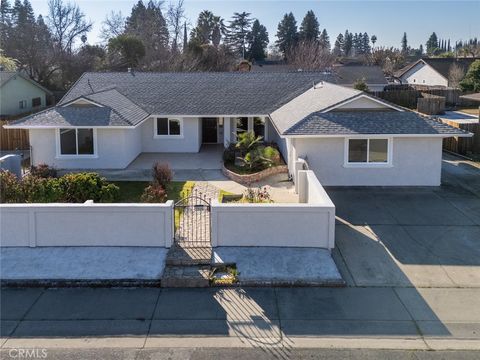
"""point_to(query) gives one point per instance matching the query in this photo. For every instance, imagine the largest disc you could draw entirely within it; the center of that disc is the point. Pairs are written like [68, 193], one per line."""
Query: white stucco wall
[362, 103]
[18, 89]
[190, 141]
[87, 224]
[416, 162]
[422, 74]
[116, 148]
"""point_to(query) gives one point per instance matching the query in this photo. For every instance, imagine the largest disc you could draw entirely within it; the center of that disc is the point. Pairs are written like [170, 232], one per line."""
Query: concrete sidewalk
[272, 319]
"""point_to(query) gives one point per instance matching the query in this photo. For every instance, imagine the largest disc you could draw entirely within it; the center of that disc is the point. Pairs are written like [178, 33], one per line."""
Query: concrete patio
[208, 158]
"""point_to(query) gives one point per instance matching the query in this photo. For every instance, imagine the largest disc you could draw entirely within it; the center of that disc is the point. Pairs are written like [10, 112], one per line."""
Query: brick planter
[247, 179]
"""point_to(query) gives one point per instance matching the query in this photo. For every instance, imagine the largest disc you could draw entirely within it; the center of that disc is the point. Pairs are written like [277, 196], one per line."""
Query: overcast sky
[457, 20]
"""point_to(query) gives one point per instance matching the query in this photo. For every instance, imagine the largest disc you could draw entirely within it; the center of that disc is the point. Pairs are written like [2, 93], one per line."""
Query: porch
[208, 158]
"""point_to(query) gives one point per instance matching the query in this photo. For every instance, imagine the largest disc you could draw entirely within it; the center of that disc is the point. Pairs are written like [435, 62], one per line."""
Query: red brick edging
[251, 178]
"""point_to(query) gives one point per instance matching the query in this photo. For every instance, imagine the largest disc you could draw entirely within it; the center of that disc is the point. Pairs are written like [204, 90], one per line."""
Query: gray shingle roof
[371, 122]
[5, 76]
[227, 93]
[74, 116]
[348, 74]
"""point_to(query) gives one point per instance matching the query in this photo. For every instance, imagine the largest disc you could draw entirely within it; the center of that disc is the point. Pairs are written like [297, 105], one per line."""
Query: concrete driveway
[424, 237]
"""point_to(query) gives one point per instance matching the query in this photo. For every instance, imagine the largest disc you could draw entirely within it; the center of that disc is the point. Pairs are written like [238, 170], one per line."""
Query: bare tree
[455, 74]
[67, 23]
[175, 19]
[309, 55]
[112, 26]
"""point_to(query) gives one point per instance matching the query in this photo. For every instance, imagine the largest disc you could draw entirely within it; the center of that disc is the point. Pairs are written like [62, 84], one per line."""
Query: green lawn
[131, 191]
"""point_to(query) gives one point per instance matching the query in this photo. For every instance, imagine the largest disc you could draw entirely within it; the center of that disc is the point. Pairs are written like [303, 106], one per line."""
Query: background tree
[175, 18]
[257, 41]
[348, 43]
[471, 81]
[147, 24]
[202, 32]
[67, 24]
[432, 44]
[309, 55]
[360, 84]
[125, 51]
[7, 63]
[324, 40]
[309, 28]
[404, 43]
[287, 35]
[339, 45]
[374, 40]
[112, 26]
[455, 75]
[238, 29]
[219, 30]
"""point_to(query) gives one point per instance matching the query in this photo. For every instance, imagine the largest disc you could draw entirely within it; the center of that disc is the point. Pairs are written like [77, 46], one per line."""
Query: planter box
[247, 179]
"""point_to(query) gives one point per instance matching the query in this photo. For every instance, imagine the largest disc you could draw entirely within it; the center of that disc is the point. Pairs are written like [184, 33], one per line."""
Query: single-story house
[432, 71]
[348, 137]
[19, 94]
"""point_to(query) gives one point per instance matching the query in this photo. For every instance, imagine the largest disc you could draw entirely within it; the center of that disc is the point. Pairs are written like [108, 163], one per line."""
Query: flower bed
[246, 179]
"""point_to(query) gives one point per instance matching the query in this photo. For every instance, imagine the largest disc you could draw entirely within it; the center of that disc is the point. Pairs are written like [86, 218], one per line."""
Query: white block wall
[86, 224]
[311, 224]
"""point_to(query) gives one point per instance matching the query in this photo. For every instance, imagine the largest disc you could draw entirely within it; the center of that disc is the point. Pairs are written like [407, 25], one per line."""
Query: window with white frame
[368, 151]
[77, 142]
[22, 104]
[168, 127]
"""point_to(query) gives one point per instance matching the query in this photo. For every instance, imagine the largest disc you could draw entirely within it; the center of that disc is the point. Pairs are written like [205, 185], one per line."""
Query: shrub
[247, 141]
[258, 195]
[162, 175]
[154, 194]
[43, 171]
[272, 154]
[81, 187]
[41, 190]
[10, 190]
[229, 154]
[256, 160]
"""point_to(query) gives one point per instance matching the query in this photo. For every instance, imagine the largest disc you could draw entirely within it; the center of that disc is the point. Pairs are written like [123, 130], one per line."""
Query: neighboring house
[342, 74]
[19, 94]
[432, 71]
[347, 137]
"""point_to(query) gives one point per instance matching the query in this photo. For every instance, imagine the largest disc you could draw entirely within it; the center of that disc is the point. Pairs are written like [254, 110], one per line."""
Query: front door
[209, 130]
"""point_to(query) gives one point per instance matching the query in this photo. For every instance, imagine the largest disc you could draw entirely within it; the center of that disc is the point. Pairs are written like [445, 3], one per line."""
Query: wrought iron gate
[192, 221]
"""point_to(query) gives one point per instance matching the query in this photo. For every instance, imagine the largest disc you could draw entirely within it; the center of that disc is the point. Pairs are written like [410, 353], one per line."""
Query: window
[368, 151]
[241, 124]
[259, 126]
[168, 127]
[76, 142]
[36, 102]
[22, 104]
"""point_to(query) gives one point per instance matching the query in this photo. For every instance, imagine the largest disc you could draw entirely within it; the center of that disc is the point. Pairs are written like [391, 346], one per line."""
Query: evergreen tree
[357, 44]
[339, 45]
[348, 43]
[202, 33]
[309, 28]
[449, 48]
[287, 33]
[185, 37]
[257, 41]
[420, 49]
[5, 23]
[366, 44]
[404, 43]
[373, 39]
[149, 26]
[432, 44]
[324, 40]
[239, 28]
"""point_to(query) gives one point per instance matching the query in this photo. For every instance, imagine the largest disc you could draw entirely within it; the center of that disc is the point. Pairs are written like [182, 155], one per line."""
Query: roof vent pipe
[130, 70]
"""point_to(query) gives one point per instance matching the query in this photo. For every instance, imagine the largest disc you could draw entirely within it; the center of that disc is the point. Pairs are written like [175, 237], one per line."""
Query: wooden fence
[408, 97]
[462, 145]
[12, 139]
[431, 104]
